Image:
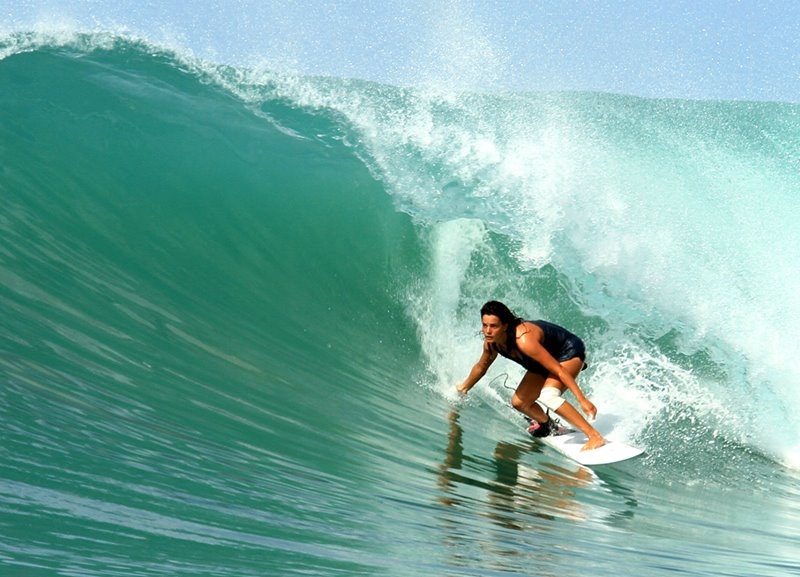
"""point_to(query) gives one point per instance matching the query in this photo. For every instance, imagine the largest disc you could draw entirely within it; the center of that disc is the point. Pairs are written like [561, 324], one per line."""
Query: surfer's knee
[551, 398]
[521, 404]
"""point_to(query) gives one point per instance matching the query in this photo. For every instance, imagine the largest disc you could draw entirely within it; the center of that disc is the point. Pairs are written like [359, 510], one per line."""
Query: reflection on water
[449, 474]
[547, 492]
[518, 493]
[519, 501]
[525, 494]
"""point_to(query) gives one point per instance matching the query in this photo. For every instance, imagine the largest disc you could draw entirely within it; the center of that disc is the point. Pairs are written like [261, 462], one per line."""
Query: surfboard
[569, 444]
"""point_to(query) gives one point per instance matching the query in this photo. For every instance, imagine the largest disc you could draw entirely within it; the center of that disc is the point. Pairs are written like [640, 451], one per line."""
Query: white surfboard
[570, 444]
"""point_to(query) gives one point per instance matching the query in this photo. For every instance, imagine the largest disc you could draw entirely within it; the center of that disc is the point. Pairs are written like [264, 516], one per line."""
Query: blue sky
[713, 49]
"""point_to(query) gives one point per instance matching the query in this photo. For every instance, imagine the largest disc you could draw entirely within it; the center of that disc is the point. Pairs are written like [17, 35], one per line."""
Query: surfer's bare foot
[594, 442]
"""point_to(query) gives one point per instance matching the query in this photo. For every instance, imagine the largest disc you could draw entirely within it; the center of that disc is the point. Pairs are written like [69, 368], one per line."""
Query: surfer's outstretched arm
[478, 370]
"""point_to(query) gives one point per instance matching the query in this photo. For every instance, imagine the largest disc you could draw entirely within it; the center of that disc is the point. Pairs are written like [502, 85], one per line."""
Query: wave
[162, 210]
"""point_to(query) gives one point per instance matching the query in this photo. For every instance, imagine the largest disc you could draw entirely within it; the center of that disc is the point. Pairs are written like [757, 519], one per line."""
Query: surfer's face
[493, 330]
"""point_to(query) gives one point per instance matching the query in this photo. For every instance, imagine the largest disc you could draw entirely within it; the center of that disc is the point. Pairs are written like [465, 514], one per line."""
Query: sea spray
[662, 215]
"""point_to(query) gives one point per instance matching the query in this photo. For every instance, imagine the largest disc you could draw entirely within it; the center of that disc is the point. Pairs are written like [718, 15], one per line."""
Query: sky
[709, 49]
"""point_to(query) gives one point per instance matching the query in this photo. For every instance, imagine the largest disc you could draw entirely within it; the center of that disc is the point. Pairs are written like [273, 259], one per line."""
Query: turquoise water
[236, 304]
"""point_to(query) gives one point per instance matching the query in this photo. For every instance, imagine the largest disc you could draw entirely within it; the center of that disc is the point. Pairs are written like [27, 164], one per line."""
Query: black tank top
[558, 341]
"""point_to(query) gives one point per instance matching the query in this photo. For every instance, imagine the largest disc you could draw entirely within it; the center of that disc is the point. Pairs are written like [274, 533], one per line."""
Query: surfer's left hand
[588, 408]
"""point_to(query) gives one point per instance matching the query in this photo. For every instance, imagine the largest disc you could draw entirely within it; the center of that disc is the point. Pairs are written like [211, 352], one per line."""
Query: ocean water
[236, 303]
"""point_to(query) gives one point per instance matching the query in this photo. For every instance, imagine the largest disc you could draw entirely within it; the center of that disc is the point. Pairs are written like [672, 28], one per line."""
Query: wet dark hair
[506, 317]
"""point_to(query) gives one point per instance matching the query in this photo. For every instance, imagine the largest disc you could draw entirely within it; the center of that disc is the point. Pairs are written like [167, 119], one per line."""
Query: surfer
[552, 358]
